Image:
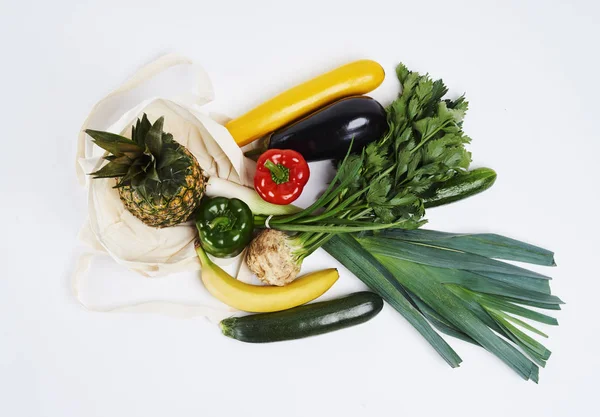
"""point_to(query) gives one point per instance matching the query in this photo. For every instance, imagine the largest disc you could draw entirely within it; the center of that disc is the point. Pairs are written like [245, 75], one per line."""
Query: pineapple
[159, 181]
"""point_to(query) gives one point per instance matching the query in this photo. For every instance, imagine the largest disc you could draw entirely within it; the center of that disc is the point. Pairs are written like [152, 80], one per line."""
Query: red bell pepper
[281, 176]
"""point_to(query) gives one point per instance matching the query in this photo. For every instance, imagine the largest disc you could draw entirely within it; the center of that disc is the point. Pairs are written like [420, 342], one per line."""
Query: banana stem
[204, 259]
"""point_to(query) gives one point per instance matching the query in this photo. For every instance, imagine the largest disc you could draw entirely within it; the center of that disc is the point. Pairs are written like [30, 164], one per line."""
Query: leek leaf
[418, 279]
[502, 304]
[443, 258]
[361, 263]
[484, 244]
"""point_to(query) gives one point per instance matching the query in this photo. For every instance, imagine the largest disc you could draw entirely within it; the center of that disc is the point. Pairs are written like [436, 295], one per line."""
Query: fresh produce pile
[391, 165]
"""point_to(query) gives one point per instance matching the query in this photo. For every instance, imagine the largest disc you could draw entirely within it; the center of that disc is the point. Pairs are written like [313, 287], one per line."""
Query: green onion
[218, 187]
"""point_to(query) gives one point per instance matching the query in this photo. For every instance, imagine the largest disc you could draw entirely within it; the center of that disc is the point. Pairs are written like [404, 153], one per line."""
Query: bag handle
[195, 96]
[165, 308]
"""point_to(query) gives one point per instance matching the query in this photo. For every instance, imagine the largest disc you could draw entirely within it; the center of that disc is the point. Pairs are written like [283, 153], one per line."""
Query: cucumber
[304, 321]
[460, 187]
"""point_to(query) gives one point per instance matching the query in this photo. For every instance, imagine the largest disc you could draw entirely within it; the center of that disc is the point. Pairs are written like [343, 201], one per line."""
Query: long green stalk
[349, 252]
[459, 303]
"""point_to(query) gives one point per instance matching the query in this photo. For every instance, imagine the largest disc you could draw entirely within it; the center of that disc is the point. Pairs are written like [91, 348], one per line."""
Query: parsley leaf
[376, 159]
[379, 190]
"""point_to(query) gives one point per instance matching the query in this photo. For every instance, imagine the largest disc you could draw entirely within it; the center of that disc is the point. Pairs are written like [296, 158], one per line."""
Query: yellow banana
[263, 299]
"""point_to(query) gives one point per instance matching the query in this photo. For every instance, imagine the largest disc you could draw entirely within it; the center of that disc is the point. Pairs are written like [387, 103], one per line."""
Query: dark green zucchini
[460, 187]
[304, 321]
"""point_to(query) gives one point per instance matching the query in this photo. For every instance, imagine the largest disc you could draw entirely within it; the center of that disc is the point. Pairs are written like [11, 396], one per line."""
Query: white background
[530, 70]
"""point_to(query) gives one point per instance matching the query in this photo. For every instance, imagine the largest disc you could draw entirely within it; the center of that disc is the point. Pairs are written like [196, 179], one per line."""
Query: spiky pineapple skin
[168, 212]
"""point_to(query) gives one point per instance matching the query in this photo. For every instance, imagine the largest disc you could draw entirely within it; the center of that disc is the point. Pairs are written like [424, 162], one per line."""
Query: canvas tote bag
[174, 87]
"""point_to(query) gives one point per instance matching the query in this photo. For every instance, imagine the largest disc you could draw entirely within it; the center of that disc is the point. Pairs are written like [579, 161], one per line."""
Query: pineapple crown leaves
[151, 162]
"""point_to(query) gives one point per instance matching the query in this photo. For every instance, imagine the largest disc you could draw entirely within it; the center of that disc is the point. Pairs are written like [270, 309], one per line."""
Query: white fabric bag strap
[195, 96]
[165, 308]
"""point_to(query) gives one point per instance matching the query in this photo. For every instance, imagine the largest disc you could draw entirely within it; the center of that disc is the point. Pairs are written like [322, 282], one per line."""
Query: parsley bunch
[425, 146]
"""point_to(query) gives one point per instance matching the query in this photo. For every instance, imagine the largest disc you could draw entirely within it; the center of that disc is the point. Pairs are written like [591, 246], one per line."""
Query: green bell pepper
[224, 225]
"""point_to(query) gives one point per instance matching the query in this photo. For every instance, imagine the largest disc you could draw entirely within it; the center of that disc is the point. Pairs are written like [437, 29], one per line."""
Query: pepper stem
[279, 173]
[222, 221]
